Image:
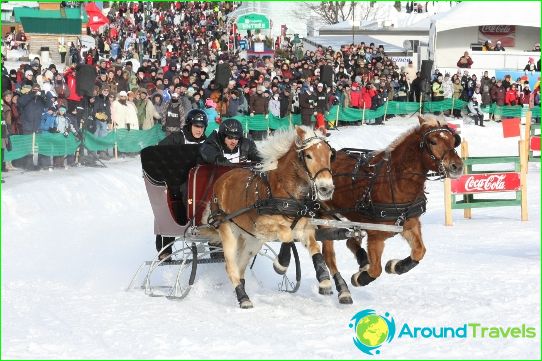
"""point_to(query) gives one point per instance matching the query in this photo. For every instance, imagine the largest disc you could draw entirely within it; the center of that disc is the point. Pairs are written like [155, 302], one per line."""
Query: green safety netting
[132, 141]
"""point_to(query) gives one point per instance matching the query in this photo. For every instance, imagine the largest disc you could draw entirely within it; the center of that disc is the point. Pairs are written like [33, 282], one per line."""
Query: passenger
[193, 132]
[228, 145]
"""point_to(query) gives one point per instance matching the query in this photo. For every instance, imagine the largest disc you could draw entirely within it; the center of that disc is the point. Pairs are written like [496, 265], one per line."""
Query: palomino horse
[271, 203]
[387, 187]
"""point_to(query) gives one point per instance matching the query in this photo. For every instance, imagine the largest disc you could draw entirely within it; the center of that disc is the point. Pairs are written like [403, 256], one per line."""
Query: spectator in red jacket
[367, 93]
[73, 98]
[465, 61]
[355, 96]
[511, 97]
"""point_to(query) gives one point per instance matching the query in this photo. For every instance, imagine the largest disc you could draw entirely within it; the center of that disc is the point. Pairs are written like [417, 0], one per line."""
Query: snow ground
[71, 240]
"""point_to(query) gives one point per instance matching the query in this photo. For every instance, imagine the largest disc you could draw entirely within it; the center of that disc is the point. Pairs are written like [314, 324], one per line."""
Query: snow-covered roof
[468, 14]
[9, 6]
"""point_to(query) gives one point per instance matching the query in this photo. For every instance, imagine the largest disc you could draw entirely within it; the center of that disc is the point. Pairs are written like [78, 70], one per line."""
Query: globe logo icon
[372, 330]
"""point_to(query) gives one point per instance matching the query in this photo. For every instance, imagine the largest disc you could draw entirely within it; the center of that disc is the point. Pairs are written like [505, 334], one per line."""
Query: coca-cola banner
[490, 182]
[505, 33]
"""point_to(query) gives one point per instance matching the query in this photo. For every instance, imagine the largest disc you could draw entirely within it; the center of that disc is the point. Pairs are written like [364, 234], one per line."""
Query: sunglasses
[232, 138]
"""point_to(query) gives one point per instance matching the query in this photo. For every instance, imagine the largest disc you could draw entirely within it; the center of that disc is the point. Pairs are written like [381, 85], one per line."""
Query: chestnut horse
[387, 187]
[254, 207]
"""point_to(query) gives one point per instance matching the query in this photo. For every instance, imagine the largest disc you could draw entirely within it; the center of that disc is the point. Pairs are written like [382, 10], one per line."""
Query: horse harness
[398, 212]
[292, 208]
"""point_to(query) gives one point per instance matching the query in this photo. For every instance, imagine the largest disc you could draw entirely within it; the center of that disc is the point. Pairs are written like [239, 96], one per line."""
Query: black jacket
[213, 150]
[32, 107]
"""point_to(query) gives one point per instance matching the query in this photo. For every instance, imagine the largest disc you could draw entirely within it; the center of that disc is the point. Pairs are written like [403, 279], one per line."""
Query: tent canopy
[468, 14]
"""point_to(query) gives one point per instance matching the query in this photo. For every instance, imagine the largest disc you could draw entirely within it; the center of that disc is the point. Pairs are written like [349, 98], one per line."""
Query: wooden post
[448, 202]
[363, 116]
[34, 147]
[336, 125]
[386, 110]
[527, 138]
[467, 212]
[523, 156]
[421, 98]
[290, 120]
[115, 146]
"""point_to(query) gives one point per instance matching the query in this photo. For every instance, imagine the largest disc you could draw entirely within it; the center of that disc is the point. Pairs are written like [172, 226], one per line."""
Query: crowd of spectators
[153, 65]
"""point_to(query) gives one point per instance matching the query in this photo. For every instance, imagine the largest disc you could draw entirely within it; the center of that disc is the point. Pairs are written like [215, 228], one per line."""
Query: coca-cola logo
[497, 29]
[491, 183]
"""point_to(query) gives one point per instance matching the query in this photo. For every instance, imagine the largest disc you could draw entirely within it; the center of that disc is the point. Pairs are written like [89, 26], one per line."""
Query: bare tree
[333, 12]
[329, 12]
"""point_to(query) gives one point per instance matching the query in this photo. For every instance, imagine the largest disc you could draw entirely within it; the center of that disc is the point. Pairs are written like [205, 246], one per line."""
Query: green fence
[132, 141]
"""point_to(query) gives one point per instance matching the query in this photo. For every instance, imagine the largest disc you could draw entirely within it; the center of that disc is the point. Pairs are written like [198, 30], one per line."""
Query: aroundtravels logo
[372, 330]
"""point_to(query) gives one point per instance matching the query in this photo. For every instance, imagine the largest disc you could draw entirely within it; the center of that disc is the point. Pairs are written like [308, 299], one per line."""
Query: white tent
[445, 31]
[466, 14]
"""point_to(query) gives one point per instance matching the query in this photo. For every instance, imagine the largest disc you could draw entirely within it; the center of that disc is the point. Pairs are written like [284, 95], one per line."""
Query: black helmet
[197, 117]
[231, 128]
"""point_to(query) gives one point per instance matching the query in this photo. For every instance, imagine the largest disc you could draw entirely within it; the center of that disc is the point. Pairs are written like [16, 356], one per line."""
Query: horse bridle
[301, 154]
[439, 161]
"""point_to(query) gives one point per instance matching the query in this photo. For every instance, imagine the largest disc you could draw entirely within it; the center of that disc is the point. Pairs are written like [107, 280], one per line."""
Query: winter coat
[146, 113]
[175, 117]
[355, 99]
[212, 114]
[102, 109]
[322, 105]
[258, 104]
[161, 107]
[511, 97]
[122, 115]
[214, 151]
[72, 85]
[485, 87]
[367, 96]
[498, 95]
[233, 107]
[458, 90]
[32, 107]
[48, 123]
[307, 103]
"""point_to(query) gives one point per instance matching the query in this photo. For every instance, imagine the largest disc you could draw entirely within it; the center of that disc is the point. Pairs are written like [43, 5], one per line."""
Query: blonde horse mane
[278, 144]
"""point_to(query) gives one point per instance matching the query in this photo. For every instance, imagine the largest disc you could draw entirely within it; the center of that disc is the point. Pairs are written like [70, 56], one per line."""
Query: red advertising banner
[505, 33]
[484, 183]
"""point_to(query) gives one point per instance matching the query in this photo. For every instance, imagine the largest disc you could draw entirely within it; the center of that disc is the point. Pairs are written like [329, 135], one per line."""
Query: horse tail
[206, 230]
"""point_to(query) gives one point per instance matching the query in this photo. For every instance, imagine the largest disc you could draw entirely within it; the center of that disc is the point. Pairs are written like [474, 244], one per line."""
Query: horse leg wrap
[320, 267]
[322, 274]
[361, 257]
[242, 297]
[364, 278]
[342, 289]
[402, 266]
[281, 263]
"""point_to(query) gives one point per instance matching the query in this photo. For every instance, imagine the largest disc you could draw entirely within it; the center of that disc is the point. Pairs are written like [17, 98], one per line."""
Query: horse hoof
[390, 266]
[355, 276]
[345, 298]
[246, 304]
[324, 288]
[280, 269]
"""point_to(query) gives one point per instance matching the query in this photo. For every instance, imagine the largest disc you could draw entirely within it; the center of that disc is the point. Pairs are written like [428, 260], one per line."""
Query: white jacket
[124, 114]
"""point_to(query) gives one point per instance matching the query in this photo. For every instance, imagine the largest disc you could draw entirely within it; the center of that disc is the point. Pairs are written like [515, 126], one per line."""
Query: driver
[228, 145]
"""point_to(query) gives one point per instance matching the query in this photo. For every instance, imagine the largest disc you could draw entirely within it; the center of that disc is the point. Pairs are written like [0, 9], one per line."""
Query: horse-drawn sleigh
[302, 191]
